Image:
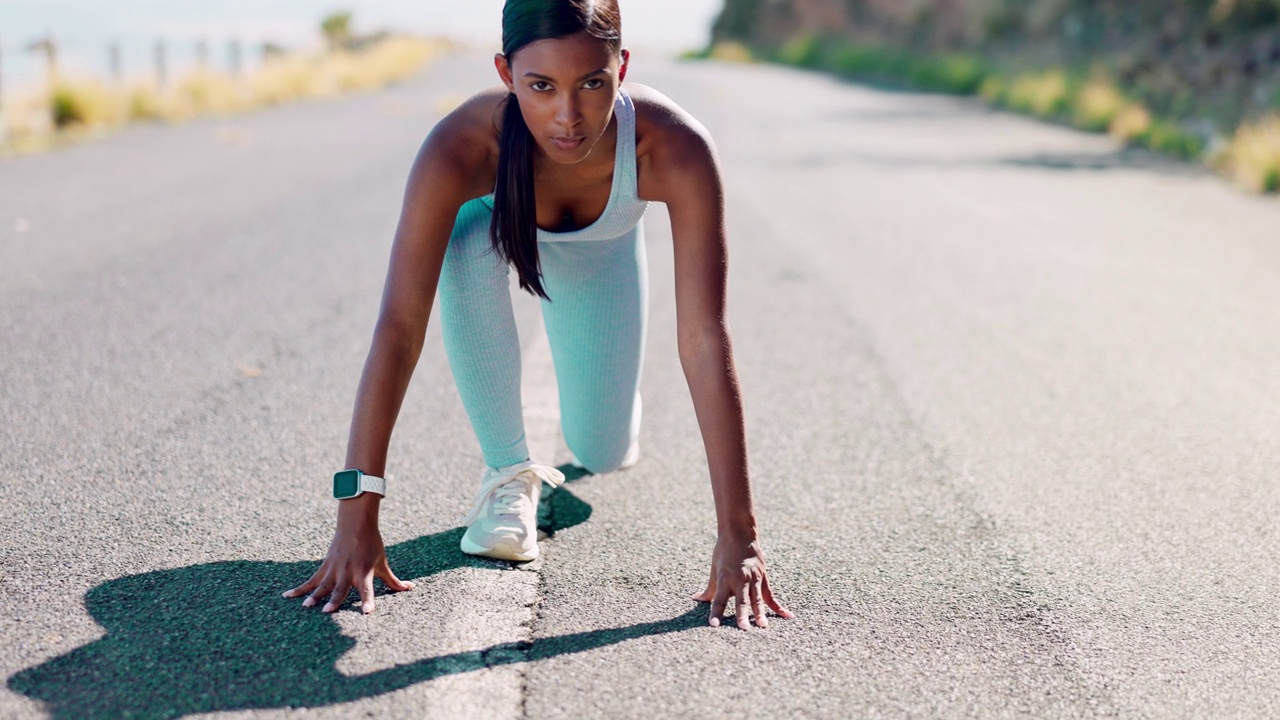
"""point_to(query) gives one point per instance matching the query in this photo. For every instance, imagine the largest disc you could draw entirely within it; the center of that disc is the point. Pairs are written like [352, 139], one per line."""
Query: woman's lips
[568, 143]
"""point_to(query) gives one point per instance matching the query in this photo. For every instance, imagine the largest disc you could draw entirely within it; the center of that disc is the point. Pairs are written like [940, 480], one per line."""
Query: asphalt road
[1014, 419]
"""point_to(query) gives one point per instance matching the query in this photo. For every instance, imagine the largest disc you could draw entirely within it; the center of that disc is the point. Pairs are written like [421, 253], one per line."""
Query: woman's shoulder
[470, 130]
[660, 116]
[669, 140]
[462, 148]
[662, 126]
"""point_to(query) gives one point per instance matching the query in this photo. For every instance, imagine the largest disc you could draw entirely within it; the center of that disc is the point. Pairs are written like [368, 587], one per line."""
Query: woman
[551, 175]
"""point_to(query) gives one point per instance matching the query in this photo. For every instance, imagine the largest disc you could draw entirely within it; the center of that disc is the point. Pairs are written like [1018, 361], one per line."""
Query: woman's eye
[594, 84]
[541, 86]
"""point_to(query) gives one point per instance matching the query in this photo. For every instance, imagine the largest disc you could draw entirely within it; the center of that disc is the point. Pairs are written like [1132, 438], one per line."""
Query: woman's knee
[607, 437]
[600, 457]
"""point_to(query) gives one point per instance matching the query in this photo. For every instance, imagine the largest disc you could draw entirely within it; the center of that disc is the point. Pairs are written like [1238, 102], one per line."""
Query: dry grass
[1253, 157]
[87, 103]
[26, 124]
[1045, 94]
[729, 51]
[75, 109]
[1132, 122]
[992, 89]
[1097, 105]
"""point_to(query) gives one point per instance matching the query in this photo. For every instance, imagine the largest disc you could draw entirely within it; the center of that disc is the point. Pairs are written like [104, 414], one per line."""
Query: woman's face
[566, 88]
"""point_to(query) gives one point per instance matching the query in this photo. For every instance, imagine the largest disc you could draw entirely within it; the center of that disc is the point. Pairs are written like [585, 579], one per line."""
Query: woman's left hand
[737, 571]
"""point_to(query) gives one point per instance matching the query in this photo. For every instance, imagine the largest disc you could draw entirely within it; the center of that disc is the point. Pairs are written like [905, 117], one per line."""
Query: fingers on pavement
[705, 596]
[366, 594]
[742, 607]
[757, 604]
[718, 603]
[393, 583]
[307, 586]
[773, 602]
[318, 593]
[709, 594]
[339, 595]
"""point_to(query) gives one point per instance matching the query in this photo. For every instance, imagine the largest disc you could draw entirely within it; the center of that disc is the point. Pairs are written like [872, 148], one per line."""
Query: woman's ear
[622, 69]
[504, 71]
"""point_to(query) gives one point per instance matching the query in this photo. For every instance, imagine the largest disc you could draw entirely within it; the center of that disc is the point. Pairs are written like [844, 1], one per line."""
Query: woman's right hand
[355, 557]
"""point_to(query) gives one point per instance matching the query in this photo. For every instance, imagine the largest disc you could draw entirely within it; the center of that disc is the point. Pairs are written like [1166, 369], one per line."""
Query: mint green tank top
[624, 208]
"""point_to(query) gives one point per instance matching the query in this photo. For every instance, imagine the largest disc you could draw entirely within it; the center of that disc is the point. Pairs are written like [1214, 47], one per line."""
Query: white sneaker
[503, 523]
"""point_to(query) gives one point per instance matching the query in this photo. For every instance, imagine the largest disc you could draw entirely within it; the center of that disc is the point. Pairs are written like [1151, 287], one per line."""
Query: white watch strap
[373, 483]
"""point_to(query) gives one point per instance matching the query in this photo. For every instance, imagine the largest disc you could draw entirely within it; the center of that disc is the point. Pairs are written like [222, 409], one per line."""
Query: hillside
[1208, 64]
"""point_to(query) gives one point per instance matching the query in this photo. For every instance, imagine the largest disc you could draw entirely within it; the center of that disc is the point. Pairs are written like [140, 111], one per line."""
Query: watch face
[346, 484]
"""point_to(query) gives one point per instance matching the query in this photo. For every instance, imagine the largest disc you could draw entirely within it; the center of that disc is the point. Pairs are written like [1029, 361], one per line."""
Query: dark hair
[513, 231]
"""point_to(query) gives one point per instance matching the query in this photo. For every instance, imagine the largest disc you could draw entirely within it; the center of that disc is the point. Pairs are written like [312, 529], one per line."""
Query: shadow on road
[1119, 159]
[218, 636]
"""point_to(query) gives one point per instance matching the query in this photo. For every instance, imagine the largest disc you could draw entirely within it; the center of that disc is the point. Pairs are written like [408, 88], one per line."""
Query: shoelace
[511, 498]
[509, 489]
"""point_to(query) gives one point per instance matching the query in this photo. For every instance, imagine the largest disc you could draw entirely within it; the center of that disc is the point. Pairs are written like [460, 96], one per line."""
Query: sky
[85, 29]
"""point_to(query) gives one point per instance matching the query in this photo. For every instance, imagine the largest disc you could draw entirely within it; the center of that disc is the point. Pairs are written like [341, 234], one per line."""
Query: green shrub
[802, 51]
[68, 107]
[898, 65]
[966, 73]
[1044, 94]
[1096, 105]
[1271, 180]
[993, 90]
[857, 60]
[956, 74]
[1253, 156]
[959, 74]
[1166, 138]
[84, 103]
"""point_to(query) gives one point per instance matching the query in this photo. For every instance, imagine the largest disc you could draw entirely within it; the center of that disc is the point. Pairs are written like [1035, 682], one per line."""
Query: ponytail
[513, 232]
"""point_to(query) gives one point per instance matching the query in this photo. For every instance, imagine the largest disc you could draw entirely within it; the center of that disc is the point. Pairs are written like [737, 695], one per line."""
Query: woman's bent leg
[596, 323]
[480, 337]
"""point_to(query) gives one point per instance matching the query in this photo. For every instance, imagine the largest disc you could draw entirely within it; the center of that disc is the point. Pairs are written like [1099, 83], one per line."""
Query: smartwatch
[352, 483]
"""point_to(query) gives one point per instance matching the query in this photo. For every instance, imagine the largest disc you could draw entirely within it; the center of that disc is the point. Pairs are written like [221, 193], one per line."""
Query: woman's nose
[569, 113]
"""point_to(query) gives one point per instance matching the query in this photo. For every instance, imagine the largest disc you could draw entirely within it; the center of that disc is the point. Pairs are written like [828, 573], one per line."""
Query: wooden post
[233, 58]
[270, 51]
[114, 63]
[4, 122]
[49, 47]
[51, 54]
[162, 78]
[202, 55]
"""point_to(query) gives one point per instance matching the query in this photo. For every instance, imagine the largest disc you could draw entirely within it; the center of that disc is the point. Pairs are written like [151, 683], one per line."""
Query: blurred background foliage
[1193, 78]
[69, 108]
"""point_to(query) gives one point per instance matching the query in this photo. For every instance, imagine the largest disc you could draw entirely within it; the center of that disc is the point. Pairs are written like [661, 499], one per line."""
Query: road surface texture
[1014, 421]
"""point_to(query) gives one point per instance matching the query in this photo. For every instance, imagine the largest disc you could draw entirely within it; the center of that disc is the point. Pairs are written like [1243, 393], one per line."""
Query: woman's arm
[448, 171]
[686, 176]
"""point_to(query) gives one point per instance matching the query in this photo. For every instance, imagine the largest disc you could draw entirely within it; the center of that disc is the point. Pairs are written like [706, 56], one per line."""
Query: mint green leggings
[595, 323]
